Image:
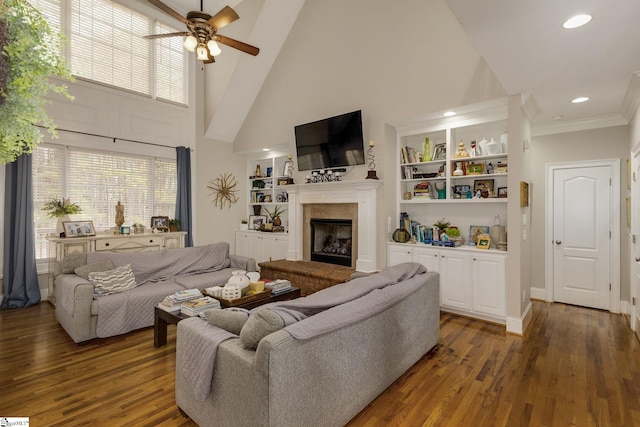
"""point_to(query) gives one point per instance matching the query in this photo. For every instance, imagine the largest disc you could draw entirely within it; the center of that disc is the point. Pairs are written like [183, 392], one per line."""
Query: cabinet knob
[558, 242]
[637, 259]
[151, 241]
[106, 244]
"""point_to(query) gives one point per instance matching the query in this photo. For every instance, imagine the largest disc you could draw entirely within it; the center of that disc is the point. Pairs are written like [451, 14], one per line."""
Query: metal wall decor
[224, 189]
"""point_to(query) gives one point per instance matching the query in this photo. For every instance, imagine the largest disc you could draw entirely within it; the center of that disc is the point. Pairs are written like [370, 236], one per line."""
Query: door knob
[558, 242]
[637, 259]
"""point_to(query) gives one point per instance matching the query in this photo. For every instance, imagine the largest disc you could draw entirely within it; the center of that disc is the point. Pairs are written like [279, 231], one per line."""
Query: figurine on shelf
[462, 152]
[474, 150]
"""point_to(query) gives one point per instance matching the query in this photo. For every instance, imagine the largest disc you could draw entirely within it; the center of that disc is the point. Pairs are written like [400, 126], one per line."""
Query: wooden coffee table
[163, 318]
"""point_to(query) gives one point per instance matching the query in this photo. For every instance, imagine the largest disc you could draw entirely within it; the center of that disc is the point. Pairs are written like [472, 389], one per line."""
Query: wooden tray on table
[242, 300]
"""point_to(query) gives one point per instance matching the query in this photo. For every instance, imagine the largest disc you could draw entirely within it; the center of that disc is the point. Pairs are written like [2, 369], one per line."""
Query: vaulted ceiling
[522, 41]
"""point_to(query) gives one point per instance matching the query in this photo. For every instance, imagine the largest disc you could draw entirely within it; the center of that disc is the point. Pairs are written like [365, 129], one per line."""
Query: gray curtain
[20, 280]
[183, 196]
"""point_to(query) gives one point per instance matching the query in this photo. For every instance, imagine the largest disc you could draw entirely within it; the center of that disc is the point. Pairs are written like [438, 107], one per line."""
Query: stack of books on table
[279, 286]
[173, 303]
[197, 306]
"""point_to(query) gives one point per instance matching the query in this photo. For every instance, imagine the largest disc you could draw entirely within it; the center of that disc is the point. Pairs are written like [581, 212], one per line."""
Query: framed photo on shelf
[160, 223]
[475, 168]
[475, 231]
[257, 221]
[484, 241]
[78, 228]
[461, 190]
[440, 152]
[483, 185]
[502, 192]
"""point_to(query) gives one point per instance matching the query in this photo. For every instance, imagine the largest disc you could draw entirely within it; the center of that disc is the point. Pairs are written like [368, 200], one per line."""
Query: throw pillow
[113, 281]
[71, 262]
[84, 270]
[229, 319]
[260, 324]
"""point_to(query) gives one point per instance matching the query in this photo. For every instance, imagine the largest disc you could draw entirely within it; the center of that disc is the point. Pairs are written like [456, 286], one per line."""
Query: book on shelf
[199, 305]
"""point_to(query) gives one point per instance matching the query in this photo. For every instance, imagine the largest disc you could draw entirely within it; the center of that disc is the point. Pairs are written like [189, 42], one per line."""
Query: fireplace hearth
[331, 241]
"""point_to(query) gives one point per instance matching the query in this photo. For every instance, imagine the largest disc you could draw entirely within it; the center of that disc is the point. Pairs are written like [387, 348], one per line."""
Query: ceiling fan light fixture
[201, 52]
[190, 43]
[214, 49]
[576, 21]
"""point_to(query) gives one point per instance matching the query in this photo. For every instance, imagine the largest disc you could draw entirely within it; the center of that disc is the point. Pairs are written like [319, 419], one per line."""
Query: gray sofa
[327, 362]
[157, 274]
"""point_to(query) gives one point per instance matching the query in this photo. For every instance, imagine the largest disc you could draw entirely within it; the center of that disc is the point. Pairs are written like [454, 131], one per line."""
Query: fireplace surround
[360, 194]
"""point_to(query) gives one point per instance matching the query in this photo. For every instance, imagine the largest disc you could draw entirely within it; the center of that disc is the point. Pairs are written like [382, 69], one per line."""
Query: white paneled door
[582, 235]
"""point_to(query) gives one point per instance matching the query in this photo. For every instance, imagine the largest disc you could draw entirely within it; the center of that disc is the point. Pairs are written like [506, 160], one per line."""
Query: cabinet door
[428, 257]
[173, 241]
[489, 284]
[254, 246]
[397, 254]
[241, 244]
[455, 286]
[281, 247]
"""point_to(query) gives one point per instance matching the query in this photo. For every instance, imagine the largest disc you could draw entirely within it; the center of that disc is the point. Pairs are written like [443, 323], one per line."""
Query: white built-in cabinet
[262, 246]
[472, 281]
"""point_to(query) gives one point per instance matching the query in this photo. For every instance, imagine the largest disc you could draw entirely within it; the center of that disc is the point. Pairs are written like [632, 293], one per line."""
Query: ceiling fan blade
[166, 9]
[247, 48]
[159, 36]
[223, 18]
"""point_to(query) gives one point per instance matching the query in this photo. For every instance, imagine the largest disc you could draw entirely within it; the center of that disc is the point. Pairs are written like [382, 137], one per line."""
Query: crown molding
[578, 125]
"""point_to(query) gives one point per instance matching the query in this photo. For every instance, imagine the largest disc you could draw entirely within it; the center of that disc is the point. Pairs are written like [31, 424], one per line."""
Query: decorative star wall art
[224, 189]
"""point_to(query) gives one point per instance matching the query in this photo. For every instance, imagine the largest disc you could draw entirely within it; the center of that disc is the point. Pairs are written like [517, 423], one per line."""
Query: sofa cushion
[119, 279]
[84, 270]
[70, 263]
[230, 319]
[260, 324]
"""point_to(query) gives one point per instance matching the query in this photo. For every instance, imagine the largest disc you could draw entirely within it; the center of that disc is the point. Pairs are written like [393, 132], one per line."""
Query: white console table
[60, 247]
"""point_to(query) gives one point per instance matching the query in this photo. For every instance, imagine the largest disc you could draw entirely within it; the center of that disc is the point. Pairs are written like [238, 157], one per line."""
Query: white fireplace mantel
[363, 192]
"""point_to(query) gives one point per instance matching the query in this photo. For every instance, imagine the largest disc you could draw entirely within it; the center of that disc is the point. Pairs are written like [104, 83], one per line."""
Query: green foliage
[174, 224]
[277, 211]
[59, 208]
[441, 224]
[30, 52]
[452, 232]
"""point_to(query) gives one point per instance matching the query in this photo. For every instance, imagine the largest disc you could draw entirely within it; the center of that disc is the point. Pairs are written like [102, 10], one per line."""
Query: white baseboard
[517, 325]
[539, 293]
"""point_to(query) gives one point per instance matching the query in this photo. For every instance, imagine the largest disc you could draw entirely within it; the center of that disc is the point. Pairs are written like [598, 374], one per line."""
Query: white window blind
[170, 66]
[96, 181]
[106, 45]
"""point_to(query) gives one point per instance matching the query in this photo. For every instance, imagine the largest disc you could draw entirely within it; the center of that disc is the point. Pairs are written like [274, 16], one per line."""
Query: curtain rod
[114, 139]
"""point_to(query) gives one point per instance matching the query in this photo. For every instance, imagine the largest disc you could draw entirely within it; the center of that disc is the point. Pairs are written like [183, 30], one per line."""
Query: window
[96, 181]
[106, 45]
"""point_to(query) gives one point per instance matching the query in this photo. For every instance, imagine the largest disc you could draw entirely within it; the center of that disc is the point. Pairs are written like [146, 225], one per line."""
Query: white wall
[604, 143]
[392, 61]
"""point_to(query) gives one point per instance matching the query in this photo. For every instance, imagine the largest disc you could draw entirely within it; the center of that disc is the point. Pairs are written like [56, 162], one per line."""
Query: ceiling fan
[203, 37]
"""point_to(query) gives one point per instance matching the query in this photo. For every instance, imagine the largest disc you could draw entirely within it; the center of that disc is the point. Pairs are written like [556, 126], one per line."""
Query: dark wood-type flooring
[575, 367]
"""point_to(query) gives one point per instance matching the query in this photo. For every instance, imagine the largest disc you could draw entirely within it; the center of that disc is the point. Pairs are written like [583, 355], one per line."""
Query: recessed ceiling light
[580, 99]
[558, 117]
[449, 113]
[265, 149]
[576, 21]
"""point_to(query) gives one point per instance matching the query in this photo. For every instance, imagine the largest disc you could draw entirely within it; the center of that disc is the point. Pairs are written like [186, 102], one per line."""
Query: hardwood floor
[575, 367]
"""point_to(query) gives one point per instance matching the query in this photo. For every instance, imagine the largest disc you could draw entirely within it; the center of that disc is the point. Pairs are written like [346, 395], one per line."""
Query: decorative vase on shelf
[277, 222]
[426, 155]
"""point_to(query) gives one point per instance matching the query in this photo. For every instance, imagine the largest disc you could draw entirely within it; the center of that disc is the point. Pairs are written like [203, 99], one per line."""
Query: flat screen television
[330, 143]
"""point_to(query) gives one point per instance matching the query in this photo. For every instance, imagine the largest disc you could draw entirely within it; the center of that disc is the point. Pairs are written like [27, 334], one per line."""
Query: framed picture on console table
[78, 228]
[160, 223]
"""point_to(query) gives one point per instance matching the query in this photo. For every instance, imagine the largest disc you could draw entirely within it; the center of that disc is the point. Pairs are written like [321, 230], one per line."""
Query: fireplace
[331, 241]
[361, 198]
